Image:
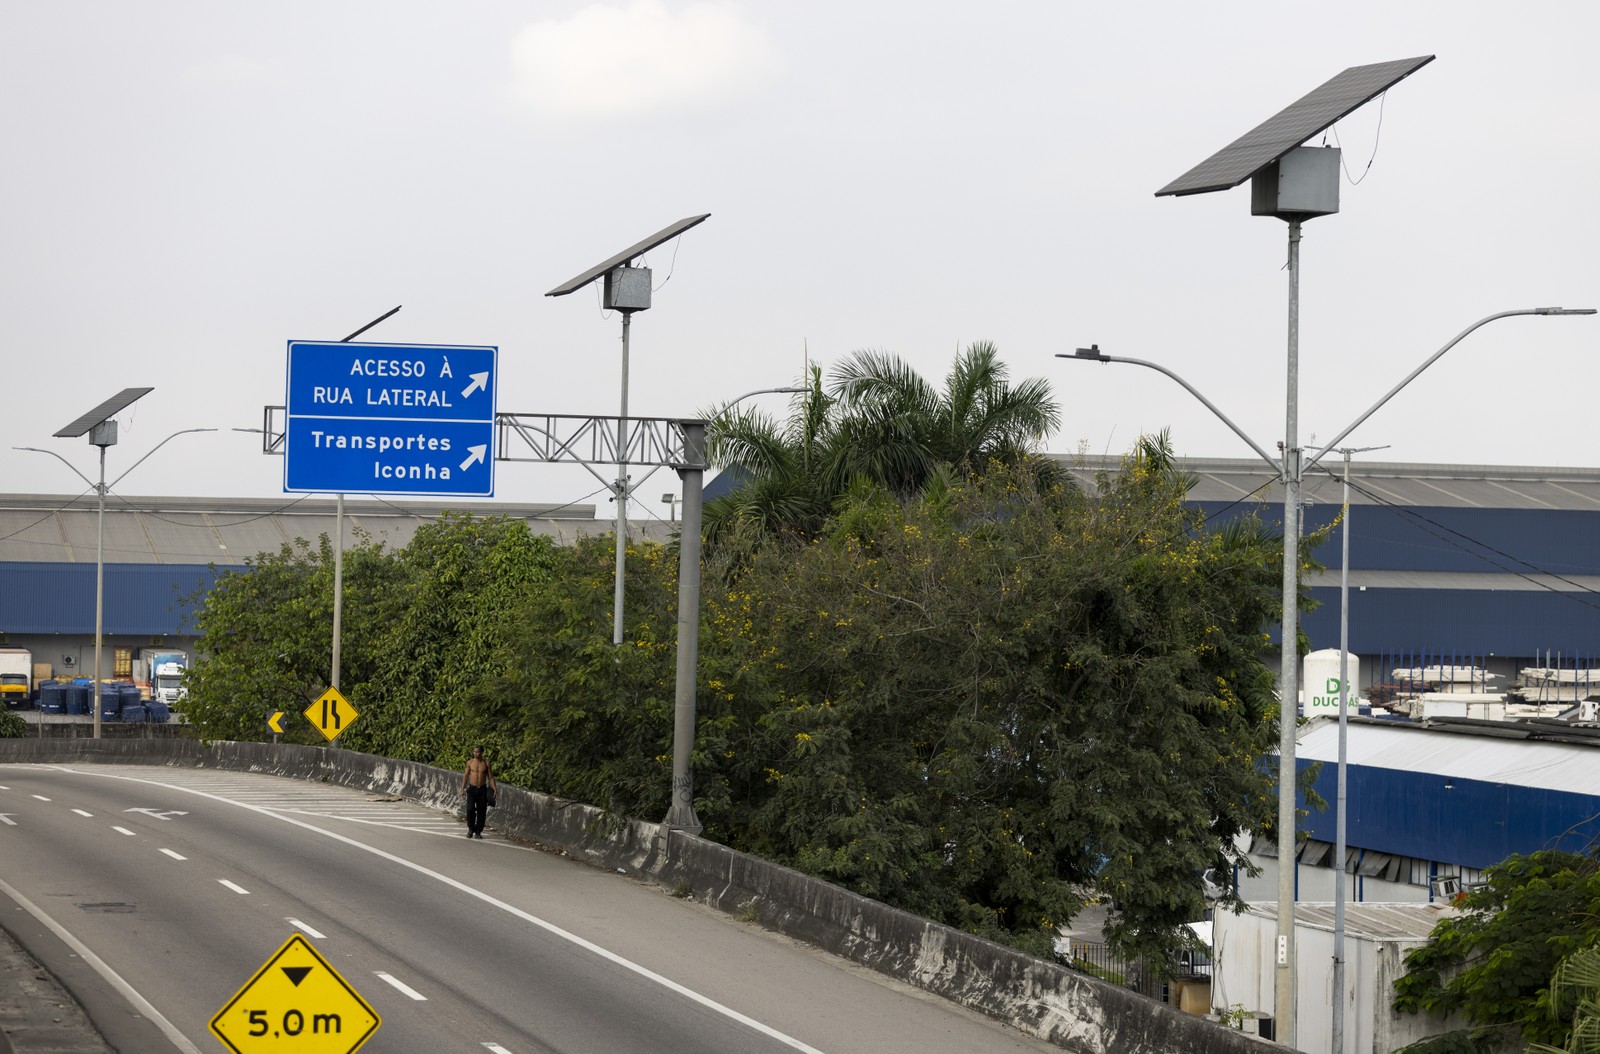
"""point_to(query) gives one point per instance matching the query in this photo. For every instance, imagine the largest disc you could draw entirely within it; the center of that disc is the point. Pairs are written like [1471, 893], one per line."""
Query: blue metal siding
[1384, 538]
[1471, 822]
[146, 599]
[1469, 622]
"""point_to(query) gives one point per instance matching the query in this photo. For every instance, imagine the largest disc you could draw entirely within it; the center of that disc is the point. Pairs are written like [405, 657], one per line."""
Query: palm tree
[791, 471]
[878, 424]
[900, 428]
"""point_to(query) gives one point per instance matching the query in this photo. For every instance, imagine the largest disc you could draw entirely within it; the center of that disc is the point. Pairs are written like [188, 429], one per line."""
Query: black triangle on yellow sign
[295, 1002]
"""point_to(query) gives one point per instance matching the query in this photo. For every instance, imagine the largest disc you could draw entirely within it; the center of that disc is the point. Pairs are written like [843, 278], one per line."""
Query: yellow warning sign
[296, 1002]
[332, 714]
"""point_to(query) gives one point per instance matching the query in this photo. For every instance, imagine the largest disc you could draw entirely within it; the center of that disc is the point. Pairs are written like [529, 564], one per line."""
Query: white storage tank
[1320, 678]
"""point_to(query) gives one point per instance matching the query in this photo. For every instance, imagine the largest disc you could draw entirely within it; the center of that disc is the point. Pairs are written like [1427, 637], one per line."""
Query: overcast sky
[188, 186]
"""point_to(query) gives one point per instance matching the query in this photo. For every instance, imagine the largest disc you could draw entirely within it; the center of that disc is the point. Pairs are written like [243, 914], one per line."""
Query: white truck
[16, 678]
[166, 677]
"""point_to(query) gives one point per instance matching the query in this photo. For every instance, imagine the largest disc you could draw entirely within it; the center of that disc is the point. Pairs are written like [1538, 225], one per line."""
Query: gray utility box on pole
[1302, 183]
[628, 289]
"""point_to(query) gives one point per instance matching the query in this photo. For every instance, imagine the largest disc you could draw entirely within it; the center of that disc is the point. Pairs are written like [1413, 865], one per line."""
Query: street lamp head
[1564, 310]
[1092, 352]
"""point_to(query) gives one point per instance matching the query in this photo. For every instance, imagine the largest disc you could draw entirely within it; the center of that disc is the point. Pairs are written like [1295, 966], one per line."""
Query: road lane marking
[41, 797]
[495, 1048]
[234, 886]
[510, 909]
[175, 856]
[307, 930]
[140, 1003]
[124, 830]
[6, 819]
[401, 986]
[80, 812]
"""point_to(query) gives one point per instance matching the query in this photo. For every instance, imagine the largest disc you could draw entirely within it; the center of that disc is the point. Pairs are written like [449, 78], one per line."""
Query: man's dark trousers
[477, 809]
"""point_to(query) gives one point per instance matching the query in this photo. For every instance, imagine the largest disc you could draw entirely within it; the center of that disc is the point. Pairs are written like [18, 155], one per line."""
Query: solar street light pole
[1293, 467]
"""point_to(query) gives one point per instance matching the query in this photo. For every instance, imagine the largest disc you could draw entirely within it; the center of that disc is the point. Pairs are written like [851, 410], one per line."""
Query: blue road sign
[390, 419]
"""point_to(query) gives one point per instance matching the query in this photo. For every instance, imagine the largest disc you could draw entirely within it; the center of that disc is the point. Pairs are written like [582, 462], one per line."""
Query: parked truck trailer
[16, 678]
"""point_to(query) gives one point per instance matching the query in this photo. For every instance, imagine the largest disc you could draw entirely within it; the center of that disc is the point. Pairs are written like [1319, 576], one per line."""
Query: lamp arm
[40, 450]
[1275, 463]
[1414, 374]
[152, 450]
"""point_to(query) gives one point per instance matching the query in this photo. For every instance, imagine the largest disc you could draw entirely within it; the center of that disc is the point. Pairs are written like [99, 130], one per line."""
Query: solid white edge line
[140, 1003]
[307, 930]
[234, 886]
[400, 986]
[550, 927]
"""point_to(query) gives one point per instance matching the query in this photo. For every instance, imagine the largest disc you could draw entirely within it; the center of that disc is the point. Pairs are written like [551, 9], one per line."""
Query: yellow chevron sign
[275, 722]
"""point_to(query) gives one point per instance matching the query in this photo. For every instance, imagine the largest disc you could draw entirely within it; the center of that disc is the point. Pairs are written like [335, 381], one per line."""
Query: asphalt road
[156, 893]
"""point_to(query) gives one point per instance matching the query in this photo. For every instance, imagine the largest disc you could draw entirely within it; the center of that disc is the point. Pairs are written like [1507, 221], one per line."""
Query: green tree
[792, 472]
[458, 582]
[12, 726]
[266, 636]
[1490, 966]
[979, 708]
[878, 423]
[1575, 996]
[898, 429]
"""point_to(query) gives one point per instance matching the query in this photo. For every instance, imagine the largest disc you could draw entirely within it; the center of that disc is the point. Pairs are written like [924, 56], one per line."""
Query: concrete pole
[680, 816]
[1288, 680]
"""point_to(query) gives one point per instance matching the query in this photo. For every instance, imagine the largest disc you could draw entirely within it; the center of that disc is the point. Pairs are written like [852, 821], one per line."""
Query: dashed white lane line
[41, 797]
[401, 986]
[234, 886]
[123, 830]
[80, 812]
[307, 930]
[495, 1048]
[175, 856]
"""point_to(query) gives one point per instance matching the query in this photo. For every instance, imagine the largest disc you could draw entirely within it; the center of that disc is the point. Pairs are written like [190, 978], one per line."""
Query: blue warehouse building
[1497, 567]
[162, 554]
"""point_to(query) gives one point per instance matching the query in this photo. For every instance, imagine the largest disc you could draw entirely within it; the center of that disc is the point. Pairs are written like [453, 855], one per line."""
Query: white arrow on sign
[158, 814]
[5, 818]
[474, 455]
[480, 382]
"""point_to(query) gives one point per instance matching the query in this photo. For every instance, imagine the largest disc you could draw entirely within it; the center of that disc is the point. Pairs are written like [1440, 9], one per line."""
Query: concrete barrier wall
[1067, 1008]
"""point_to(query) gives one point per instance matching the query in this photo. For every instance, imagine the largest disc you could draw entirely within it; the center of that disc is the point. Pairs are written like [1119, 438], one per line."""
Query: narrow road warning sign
[295, 1002]
[332, 714]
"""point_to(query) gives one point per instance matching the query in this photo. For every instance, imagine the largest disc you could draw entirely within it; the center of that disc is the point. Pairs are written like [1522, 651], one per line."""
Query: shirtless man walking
[478, 784]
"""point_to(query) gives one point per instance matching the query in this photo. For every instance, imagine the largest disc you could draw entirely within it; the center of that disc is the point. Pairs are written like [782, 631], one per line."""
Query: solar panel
[104, 412]
[664, 235]
[1293, 125]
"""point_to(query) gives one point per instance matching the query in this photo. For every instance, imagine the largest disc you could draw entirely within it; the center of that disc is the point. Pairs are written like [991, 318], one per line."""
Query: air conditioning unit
[1445, 887]
[69, 660]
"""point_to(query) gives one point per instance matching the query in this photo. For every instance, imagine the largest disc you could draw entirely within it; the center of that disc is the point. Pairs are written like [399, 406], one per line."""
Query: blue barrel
[77, 698]
[133, 712]
[110, 701]
[159, 713]
[52, 698]
[129, 694]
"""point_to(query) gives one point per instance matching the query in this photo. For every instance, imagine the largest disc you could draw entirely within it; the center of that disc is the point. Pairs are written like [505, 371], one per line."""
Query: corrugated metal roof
[1366, 919]
[1437, 486]
[229, 531]
[1466, 751]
